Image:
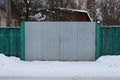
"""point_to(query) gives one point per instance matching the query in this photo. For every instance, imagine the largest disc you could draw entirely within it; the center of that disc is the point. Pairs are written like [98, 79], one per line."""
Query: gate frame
[97, 54]
[22, 41]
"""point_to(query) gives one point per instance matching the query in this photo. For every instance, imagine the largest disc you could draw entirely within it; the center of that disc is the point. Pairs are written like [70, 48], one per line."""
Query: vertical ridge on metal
[97, 40]
[22, 41]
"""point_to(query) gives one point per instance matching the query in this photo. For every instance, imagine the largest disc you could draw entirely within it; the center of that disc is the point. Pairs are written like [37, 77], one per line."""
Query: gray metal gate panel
[33, 41]
[41, 41]
[86, 41]
[68, 45]
[50, 42]
[59, 41]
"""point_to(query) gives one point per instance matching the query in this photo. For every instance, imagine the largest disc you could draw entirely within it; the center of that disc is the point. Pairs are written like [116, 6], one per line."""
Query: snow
[104, 67]
[39, 17]
[113, 61]
[98, 21]
[4, 60]
[74, 10]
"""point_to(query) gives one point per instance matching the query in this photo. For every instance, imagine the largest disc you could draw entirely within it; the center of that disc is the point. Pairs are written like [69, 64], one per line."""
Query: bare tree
[27, 8]
[91, 7]
[8, 12]
[27, 5]
[110, 10]
[70, 4]
[32, 7]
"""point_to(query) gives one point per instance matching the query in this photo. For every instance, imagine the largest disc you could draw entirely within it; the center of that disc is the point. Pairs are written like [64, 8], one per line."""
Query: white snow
[112, 61]
[77, 10]
[39, 17]
[4, 60]
[98, 21]
[104, 67]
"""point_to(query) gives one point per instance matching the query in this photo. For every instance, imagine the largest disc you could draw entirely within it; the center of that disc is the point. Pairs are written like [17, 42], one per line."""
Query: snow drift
[4, 60]
[110, 60]
[105, 67]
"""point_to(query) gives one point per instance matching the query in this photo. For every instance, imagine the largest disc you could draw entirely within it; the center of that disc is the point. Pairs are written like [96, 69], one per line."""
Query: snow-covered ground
[105, 68]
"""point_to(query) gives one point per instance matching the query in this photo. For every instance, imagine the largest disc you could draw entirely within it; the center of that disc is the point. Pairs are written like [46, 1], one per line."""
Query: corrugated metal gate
[60, 41]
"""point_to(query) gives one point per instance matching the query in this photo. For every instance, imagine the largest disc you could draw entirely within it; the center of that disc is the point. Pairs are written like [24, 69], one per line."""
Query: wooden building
[63, 14]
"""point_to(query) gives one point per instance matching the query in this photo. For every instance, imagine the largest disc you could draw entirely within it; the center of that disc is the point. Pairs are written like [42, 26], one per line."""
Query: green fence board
[4, 41]
[10, 41]
[110, 41]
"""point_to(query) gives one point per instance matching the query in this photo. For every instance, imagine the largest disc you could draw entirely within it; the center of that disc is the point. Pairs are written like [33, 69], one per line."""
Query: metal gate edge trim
[97, 54]
[22, 40]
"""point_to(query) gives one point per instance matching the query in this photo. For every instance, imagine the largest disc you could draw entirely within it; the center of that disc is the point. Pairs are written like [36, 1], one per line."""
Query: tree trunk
[27, 13]
[27, 9]
[8, 12]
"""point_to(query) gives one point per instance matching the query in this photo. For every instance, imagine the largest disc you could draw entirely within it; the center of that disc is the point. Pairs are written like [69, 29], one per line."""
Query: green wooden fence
[10, 41]
[110, 41]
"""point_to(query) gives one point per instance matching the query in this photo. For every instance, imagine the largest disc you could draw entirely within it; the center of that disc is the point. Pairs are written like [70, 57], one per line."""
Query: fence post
[22, 41]
[97, 40]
